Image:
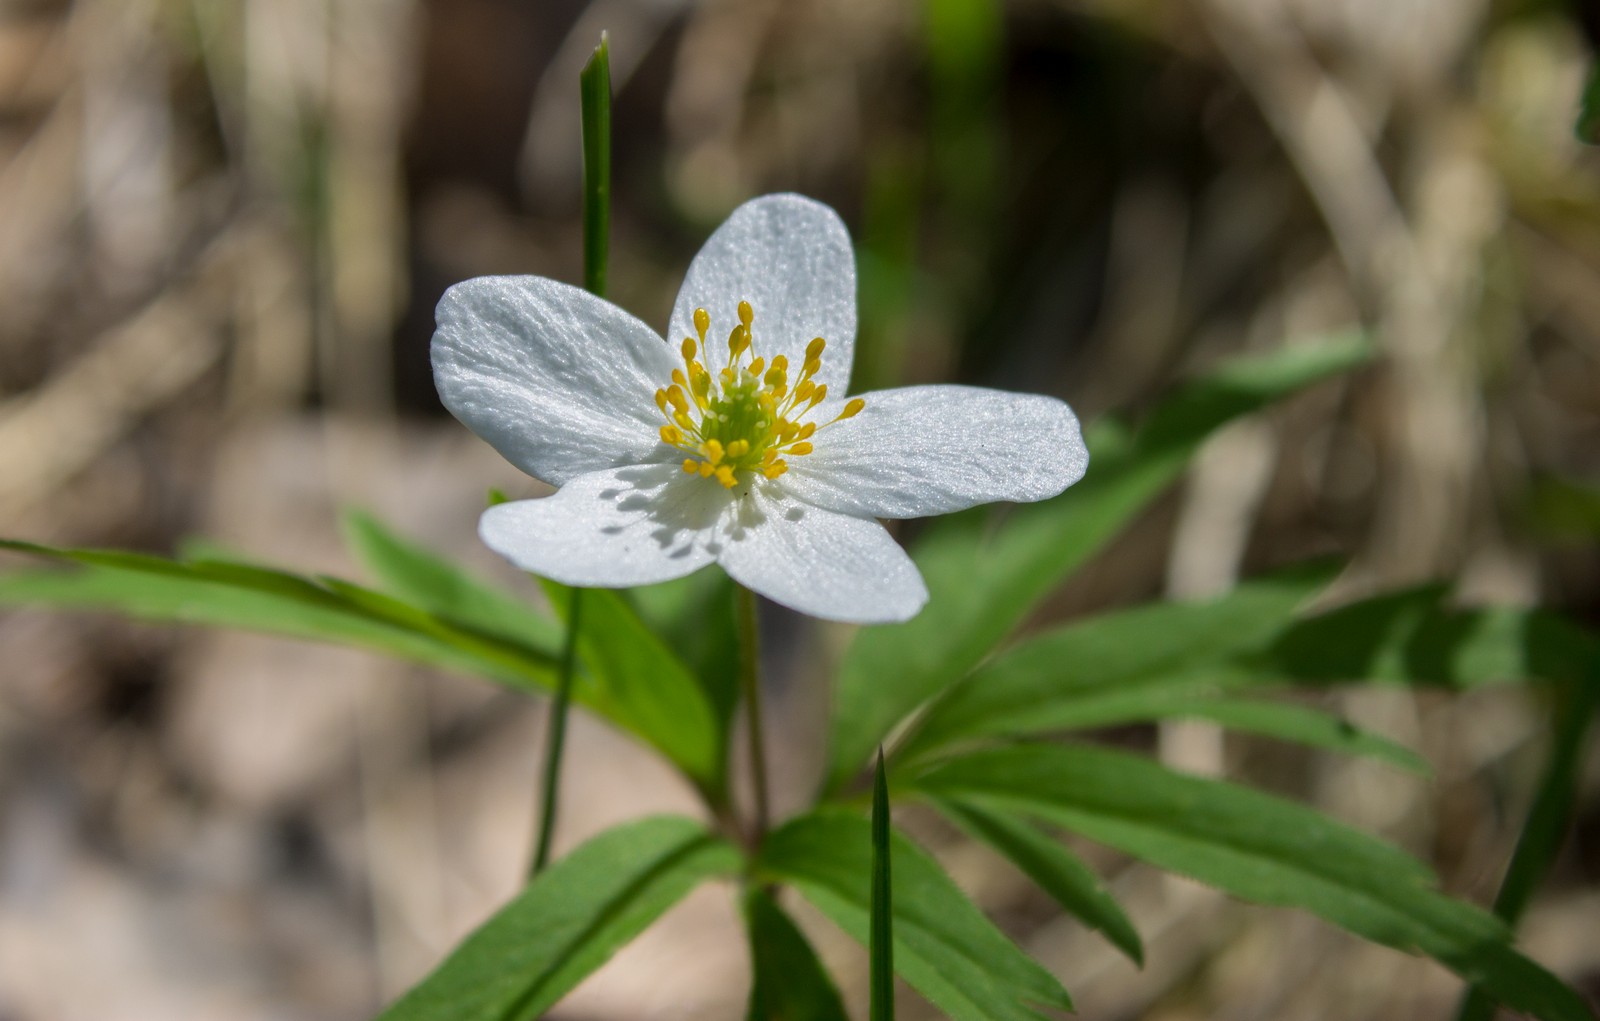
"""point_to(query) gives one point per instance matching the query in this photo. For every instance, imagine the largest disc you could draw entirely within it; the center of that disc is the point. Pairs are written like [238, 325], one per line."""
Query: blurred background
[223, 228]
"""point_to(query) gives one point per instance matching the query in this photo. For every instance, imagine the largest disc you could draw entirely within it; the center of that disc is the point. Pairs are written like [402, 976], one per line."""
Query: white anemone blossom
[735, 443]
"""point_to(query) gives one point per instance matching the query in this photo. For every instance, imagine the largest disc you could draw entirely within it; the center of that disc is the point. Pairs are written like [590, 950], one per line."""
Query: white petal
[612, 529]
[819, 562]
[928, 450]
[790, 258]
[558, 381]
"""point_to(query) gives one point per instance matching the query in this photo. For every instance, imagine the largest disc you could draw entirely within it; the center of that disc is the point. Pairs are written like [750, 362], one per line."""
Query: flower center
[746, 418]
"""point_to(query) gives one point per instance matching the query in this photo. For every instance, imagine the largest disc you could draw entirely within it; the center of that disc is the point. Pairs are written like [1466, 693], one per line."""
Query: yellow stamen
[747, 314]
[702, 323]
[691, 466]
[852, 409]
[725, 476]
[800, 449]
[689, 349]
[671, 436]
[714, 451]
[774, 469]
[814, 349]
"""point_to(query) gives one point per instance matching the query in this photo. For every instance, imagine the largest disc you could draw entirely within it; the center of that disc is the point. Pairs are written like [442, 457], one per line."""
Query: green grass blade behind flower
[631, 676]
[1293, 723]
[880, 936]
[1546, 826]
[1256, 847]
[1068, 880]
[1132, 659]
[232, 595]
[594, 95]
[943, 945]
[568, 922]
[425, 579]
[789, 981]
[983, 583]
[1587, 128]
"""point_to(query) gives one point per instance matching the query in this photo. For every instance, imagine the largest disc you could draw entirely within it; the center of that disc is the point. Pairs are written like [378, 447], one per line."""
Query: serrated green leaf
[943, 945]
[433, 583]
[984, 582]
[1259, 848]
[790, 983]
[1068, 879]
[631, 676]
[1130, 664]
[568, 922]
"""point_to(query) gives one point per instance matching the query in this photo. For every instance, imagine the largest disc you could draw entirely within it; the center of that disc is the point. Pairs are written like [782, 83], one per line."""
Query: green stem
[594, 87]
[1574, 710]
[556, 738]
[750, 685]
[880, 941]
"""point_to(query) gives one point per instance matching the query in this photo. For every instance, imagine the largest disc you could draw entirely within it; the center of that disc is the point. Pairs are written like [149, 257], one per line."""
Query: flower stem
[556, 739]
[750, 683]
[594, 87]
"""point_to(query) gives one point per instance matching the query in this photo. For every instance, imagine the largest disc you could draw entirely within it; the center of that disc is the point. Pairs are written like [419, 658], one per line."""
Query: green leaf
[1588, 127]
[631, 676]
[594, 94]
[440, 587]
[695, 617]
[984, 582]
[1120, 666]
[790, 984]
[1068, 879]
[568, 922]
[233, 595]
[1259, 848]
[1412, 638]
[1300, 725]
[943, 945]
[880, 937]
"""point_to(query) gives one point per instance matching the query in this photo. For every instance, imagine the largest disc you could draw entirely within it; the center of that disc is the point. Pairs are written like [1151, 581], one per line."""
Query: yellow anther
[661, 401]
[726, 477]
[779, 391]
[819, 395]
[770, 456]
[814, 349]
[806, 431]
[714, 451]
[738, 448]
[691, 466]
[811, 367]
[852, 409]
[775, 376]
[756, 366]
[804, 390]
[683, 419]
[689, 349]
[739, 340]
[787, 431]
[702, 322]
[774, 469]
[780, 362]
[679, 378]
[746, 313]
[671, 435]
[705, 469]
[679, 401]
[728, 378]
[800, 449]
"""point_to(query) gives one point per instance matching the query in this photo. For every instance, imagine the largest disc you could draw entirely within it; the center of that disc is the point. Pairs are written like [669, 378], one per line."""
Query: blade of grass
[594, 86]
[1547, 822]
[881, 939]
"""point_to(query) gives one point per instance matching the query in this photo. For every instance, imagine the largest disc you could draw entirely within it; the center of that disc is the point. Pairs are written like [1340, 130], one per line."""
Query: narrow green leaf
[425, 579]
[984, 582]
[1547, 821]
[1301, 725]
[1259, 848]
[790, 983]
[218, 594]
[1413, 638]
[594, 87]
[1123, 665]
[631, 676]
[880, 940]
[1588, 127]
[695, 616]
[568, 922]
[1068, 879]
[943, 945]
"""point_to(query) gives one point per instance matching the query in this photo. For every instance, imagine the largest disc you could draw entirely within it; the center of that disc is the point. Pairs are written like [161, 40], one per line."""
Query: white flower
[740, 451]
